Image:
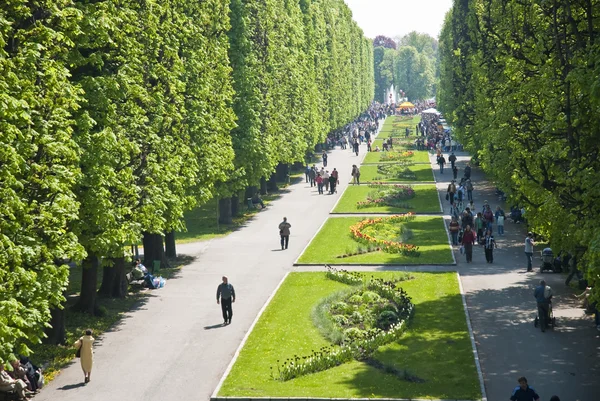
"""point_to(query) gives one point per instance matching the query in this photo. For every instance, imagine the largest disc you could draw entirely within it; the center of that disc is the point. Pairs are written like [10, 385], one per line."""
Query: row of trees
[410, 64]
[519, 82]
[119, 115]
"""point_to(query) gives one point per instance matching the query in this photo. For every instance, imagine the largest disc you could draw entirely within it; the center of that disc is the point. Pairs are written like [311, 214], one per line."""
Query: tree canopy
[117, 116]
[519, 82]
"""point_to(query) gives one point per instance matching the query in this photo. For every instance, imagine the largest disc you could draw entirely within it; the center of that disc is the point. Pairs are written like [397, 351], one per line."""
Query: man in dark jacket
[225, 297]
[523, 392]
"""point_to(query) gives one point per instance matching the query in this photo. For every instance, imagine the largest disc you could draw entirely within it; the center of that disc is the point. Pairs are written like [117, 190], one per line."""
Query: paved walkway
[173, 347]
[563, 362]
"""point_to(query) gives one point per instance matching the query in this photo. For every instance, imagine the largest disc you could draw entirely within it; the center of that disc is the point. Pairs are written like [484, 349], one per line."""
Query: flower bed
[358, 233]
[398, 170]
[370, 316]
[394, 156]
[389, 195]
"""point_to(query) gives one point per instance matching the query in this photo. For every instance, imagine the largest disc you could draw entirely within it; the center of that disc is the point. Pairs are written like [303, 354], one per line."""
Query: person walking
[500, 220]
[450, 192]
[469, 186]
[326, 180]
[225, 297]
[284, 231]
[441, 161]
[542, 295]
[355, 175]
[85, 344]
[319, 181]
[324, 159]
[334, 180]
[529, 244]
[488, 245]
[307, 172]
[468, 240]
[312, 174]
[454, 228]
[523, 392]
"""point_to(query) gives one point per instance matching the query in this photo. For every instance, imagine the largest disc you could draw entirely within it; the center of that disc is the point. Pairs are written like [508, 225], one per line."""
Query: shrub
[340, 320]
[386, 319]
[369, 297]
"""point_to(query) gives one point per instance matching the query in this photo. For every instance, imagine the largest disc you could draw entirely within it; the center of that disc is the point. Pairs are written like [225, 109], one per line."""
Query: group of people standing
[322, 179]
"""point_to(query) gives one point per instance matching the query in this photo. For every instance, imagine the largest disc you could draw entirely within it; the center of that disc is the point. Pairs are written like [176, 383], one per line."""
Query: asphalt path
[173, 346]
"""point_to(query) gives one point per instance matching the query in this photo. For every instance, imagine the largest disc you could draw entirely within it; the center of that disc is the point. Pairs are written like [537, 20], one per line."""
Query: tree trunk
[225, 211]
[235, 205]
[154, 250]
[282, 171]
[263, 186]
[319, 148]
[88, 300]
[119, 284]
[56, 333]
[272, 183]
[170, 247]
[108, 278]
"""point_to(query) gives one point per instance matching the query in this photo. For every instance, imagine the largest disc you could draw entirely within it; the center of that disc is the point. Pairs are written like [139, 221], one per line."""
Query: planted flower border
[390, 197]
[359, 349]
[386, 245]
[394, 156]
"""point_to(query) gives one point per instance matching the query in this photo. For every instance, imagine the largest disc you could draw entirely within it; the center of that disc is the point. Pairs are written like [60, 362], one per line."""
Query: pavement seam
[241, 346]
[472, 337]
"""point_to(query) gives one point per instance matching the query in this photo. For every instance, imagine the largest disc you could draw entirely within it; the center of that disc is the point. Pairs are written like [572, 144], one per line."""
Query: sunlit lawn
[426, 200]
[369, 173]
[334, 240]
[435, 348]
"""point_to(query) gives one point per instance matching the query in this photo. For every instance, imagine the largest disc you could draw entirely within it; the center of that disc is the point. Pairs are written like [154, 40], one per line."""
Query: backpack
[460, 194]
[469, 186]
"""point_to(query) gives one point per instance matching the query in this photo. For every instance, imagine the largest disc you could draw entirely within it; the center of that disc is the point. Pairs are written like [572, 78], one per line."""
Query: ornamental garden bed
[396, 172]
[430, 356]
[396, 126]
[389, 198]
[424, 238]
[415, 156]
[400, 144]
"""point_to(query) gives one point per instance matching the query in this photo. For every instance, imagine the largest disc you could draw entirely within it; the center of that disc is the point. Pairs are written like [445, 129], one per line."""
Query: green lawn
[421, 156]
[400, 144]
[334, 240]
[435, 348]
[426, 200]
[369, 173]
[400, 126]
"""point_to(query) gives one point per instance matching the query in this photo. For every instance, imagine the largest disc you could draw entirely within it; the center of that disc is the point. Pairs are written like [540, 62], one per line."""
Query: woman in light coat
[87, 354]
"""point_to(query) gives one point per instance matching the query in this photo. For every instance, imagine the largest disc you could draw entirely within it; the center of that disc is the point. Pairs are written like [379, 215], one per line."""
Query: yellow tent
[406, 105]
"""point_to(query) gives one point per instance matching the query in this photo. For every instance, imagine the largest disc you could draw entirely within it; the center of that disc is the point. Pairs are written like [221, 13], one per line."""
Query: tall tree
[39, 163]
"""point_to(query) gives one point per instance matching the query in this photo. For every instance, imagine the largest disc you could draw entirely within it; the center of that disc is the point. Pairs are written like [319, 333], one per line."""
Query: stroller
[549, 262]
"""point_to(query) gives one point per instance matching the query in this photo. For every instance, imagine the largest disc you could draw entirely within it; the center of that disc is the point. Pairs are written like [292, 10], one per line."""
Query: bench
[10, 395]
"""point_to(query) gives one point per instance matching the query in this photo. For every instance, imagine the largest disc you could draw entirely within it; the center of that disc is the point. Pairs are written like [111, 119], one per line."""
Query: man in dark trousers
[284, 233]
[226, 296]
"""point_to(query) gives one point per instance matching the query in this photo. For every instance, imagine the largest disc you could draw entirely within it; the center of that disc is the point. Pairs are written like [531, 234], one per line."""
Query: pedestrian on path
[307, 173]
[523, 392]
[452, 160]
[312, 174]
[529, 243]
[441, 161]
[469, 186]
[454, 228]
[488, 245]
[319, 181]
[85, 344]
[326, 180]
[467, 241]
[333, 178]
[225, 297]
[542, 294]
[324, 159]
[355, 175]
[284, 231]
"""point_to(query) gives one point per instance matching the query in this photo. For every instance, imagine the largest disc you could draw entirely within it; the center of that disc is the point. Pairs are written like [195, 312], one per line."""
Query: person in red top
[467, 241]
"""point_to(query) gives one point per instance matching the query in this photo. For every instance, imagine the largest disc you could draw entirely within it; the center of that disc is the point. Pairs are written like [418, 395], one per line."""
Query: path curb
[241, 346]
[472, 337]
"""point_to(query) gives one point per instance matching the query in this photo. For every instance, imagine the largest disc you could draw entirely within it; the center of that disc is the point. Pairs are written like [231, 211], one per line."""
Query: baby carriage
[549, 262]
